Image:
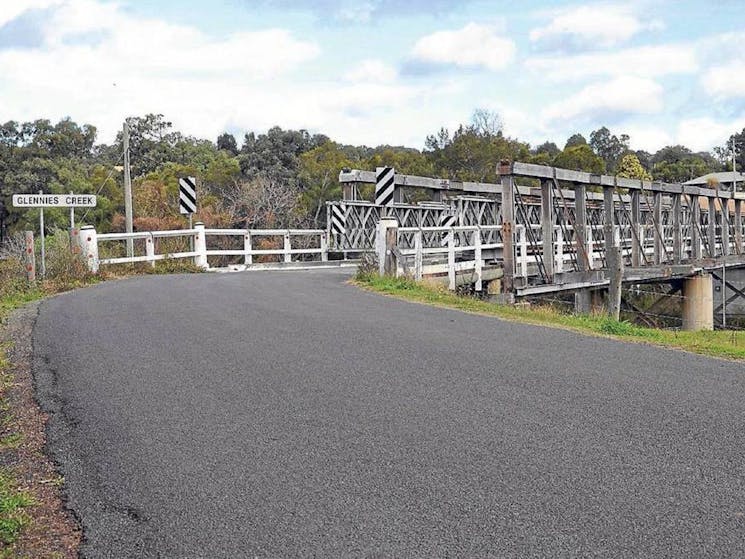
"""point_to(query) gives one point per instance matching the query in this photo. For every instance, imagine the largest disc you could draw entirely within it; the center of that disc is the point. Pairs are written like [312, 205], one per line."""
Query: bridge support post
[712, 228]
[738, 226]
[637, 234]
[677, 223]
[386, 241]
[89, 246]
[695, 225]
[200, 246]
[614, 259]
[508, 227]
[547, 226]
[698, 303]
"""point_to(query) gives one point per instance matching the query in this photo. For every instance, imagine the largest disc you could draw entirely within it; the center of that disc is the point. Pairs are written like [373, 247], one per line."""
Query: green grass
[13, 505]
[724, 344]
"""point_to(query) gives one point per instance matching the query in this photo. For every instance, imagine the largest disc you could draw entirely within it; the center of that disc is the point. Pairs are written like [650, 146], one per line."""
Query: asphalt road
[288, 414]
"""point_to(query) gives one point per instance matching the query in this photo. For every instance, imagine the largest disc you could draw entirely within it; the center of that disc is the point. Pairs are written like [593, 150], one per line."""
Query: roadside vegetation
[727, 344]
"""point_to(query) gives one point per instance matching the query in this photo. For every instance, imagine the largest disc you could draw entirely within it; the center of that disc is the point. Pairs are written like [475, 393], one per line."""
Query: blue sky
[382, 71]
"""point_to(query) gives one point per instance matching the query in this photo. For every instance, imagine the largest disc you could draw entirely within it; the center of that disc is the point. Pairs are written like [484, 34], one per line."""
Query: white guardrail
[90, 241]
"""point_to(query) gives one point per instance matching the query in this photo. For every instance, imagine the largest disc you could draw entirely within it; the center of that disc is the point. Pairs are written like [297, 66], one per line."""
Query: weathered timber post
[200, 246]
[677, 229]
[89, 245]
[508, 227]
[30, 256]
[738, 226]
[608, 221]
[724, 207]
[637, 233]
[478, 263]
[547, 226]
[698, 303]
[695, 225]
[712, 229]
[659, 245]
[614, 258]
[451, 261]
[582, 297]
[418, 255]
[387, 240]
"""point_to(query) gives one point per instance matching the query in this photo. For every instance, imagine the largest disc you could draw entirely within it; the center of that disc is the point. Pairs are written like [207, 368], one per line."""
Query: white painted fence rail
[90, 241]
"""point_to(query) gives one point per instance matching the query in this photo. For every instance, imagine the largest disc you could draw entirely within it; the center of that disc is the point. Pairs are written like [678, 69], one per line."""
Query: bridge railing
[94, 245]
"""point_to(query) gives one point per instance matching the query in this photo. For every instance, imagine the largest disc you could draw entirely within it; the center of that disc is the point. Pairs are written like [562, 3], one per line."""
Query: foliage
[631, 168]
[473, 151]
[609, 146]
[679, 164]
[580, 158]
[575, 140]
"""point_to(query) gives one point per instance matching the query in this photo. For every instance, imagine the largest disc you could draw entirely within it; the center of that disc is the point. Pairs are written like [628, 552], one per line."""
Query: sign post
[42, 201]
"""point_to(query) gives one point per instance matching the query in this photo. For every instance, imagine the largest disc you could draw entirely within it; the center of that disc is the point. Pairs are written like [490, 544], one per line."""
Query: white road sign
[54, 200]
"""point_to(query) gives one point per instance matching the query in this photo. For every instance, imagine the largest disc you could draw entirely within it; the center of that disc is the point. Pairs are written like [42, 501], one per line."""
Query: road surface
[289, 414]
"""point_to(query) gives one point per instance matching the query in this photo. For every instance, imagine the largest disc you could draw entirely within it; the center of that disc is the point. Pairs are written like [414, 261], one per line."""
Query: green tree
[575, 140]
[631, 168]
[580, 158]
[609, 146]
[319, 177]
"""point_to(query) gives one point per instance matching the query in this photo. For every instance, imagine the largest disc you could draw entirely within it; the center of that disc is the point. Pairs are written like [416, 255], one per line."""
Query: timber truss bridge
[545, 230]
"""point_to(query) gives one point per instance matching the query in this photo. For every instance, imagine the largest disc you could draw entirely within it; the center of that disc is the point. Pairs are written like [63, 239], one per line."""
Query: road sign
[54, 200]
[338, 219]
[385, 179]
[447, 220]
[187, 195]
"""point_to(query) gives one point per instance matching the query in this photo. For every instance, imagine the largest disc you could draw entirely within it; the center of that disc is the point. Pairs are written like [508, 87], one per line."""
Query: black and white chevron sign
[187, 195]
[447, 220]
[385, 186]
[338, 219]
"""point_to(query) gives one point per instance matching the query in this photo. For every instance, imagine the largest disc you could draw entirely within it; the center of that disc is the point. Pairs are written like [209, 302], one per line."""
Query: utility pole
[127, 190]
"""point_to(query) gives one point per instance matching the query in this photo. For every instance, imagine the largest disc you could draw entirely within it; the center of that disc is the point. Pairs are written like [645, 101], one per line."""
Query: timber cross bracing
[565, 223]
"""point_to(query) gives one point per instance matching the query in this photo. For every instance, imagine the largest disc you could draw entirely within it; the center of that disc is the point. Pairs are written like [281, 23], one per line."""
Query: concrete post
[287, 247]
[698, 303]
[200, 246]
[89, 245]
[386, 262]
[30, 256]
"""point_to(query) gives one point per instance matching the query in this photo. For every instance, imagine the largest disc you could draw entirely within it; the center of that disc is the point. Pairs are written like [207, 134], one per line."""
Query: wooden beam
[695, 225]
[608, 220]
[508, 225]
[659, 246]
[547, 226]
[580, 226]
[712, 229]
[676, 210]
[738, 226]
[636, 240]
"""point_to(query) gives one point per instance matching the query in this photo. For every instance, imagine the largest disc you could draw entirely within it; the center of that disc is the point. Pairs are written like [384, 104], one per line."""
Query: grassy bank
[725, 344]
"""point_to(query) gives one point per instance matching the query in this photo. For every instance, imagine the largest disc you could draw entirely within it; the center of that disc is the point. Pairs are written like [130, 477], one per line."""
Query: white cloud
[474, 45]
[726, 81]
[702, 134]
[372, 71]
[135, 65]
[597, 25]
[624, 94]
[11, 10]
[650, 61]
[648, 138]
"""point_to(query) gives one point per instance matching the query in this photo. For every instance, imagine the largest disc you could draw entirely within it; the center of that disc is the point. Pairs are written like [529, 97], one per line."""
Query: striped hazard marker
[187, 195]
[385, 186]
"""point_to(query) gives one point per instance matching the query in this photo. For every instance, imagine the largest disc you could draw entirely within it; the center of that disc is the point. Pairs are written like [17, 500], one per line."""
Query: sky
[381, 71]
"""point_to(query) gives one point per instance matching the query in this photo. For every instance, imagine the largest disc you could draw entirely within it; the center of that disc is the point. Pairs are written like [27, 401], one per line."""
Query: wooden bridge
[550, 230]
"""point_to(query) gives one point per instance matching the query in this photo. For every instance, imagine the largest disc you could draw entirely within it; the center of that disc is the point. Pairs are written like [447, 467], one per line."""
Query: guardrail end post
[247, 248]
[150, 249]
[287, 248]
[324, 247]
[200, 246]
[89, 246]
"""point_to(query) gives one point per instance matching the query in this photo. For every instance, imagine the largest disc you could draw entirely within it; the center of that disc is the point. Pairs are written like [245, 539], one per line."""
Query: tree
[580, 158]
[473, 151]
[575, 140]
[679, 164]
[608, 146]
[549, 148]
[226, 142]
[631, 168]
[724, 153]
[319, 178]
